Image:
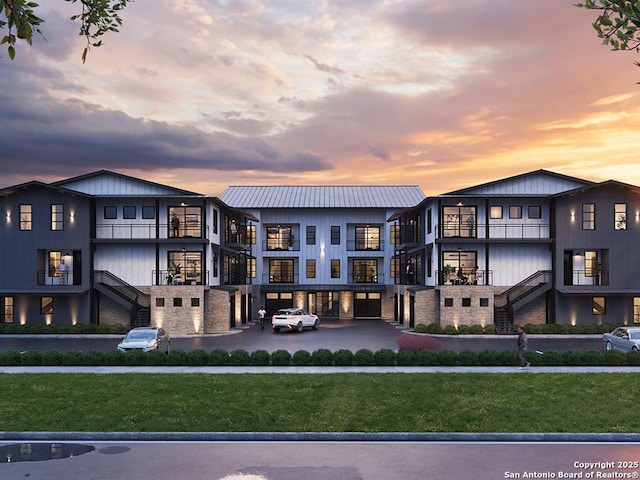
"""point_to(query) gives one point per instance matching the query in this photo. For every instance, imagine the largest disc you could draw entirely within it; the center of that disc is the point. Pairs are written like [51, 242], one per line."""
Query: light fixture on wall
[573, 216]
[637, 216]
[9, 216]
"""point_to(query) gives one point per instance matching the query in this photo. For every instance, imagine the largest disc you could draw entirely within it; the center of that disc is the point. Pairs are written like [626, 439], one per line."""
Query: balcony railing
[275, 245]
[495, 231]
[280, 278]
[481, 277]
[365, 246]
[52, 277]
[589, 277]
[170, 277]
[376, 278]
[146, 231]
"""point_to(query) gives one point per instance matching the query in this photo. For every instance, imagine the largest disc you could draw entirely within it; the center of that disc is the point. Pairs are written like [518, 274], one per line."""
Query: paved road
[328, 461]
[333, 334]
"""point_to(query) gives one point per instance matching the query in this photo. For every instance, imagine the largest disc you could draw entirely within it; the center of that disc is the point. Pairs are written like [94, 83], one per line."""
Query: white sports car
[294, 319]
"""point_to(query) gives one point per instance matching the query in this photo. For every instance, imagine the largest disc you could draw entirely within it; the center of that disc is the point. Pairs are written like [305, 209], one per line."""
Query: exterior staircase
[137, 302]
[506, 303]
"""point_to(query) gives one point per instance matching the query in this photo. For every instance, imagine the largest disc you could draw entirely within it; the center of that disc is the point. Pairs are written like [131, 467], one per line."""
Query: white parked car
[624, 339]
[294, 319]
[145, 339]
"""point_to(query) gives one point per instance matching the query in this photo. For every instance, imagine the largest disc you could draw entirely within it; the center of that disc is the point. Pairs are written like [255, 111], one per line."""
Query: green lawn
[361, 402]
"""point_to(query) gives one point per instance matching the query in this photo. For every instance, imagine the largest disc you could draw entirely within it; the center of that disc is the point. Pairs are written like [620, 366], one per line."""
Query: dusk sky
[203, 94]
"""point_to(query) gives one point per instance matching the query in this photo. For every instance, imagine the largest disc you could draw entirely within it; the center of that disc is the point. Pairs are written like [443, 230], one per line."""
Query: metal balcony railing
[495, 231]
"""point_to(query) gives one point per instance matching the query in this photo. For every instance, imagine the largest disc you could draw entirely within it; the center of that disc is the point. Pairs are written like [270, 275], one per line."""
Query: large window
[279, 238]
[185, 266]
[395, 234]
[459, 221]
[588, 216]
[367, 238]
[26, 217]
[185, 222]
[57, 217]
[281, 270]
[463, 264]
[7, 309]
[620, 216]
[251, 234]
[365, 271]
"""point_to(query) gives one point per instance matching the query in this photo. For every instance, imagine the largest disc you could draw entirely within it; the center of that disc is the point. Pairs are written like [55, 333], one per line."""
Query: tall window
[251, 234]
[588, 216]
[311, 235]
[251, 267]
[335, 268]
[335, 235]
[57, 217]
[7, 309]
[429, 220]
[281, 270]
[367, 238]
[26, 217]
[395, 234]
[636, 309]
[620, 216]
[394, 267]
[215, 221]
[311, 268]
[185, 266]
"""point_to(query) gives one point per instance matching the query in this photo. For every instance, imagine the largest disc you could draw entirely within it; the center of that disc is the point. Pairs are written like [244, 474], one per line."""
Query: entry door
[367, 305]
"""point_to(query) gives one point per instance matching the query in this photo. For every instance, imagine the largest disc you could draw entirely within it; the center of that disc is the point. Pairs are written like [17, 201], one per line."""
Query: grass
[361, 402]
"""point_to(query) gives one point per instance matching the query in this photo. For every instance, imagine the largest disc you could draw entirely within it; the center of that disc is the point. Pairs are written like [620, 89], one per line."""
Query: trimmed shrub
[239, 358]
[488, 358]
[260, 358]
[197, 358]
[572, 358]
[508, 358]
[218, 357]
[363, 357]
[408, 341]
[52, 358]
[301, 358]
[114, 358]
[10, 358]
[447, 357]
[421, 328]
[614, 358]
[450, 330]
[31, 358]
[464, 329]
[177, 358]
[73, 358]
[155, 358]
[322, 357]
[434, 329]
[406, 358]
[490, 329]
[281, 358]
[476, 329]
[633, 358]
[426, 358]
[551, 358]
[343, 358]
[592, 357]
[93, 358]
[385, 357]
[467, 358]
[134, 358]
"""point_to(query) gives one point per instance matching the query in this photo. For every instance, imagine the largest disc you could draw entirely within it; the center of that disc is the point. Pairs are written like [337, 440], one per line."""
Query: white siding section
[117, 185]
[133, 264]
[513, 263]
[536, 183]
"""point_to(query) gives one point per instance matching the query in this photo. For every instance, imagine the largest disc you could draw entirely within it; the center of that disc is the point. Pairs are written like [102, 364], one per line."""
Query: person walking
[261, 313]
[522, 348]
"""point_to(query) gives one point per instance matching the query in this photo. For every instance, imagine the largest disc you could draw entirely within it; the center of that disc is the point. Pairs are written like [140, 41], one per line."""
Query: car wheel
[316, 325]
[634, 349]
[609, 346]
[276, 329]
[299, 327]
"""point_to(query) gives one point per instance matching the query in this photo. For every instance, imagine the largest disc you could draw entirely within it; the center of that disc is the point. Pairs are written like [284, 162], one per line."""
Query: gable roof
[322, 196]
[536, 183]
[5, 192]
[105, 183]
[606, 183]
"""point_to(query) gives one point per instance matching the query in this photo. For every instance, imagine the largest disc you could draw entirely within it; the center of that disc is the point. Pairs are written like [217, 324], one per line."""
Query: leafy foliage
[97, 18]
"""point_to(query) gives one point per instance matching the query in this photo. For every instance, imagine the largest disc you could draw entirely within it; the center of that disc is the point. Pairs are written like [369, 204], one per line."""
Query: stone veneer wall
[426, 307]
[112, 313]
[184, 319]
[216, 311]
[472, 315]
[534, 313]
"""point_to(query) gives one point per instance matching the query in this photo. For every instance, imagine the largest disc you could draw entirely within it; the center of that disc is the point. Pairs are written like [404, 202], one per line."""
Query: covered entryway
[274, 301]
[367, 305]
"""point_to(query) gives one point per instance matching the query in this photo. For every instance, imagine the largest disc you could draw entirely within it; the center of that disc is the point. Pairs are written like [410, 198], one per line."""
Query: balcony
[147, 231]
[170, 277]
[364, 246]
[482, 277]
[291, 278]
[495, 231]
[279, 245]
[588, 277]
[372, 278]
[54, 278]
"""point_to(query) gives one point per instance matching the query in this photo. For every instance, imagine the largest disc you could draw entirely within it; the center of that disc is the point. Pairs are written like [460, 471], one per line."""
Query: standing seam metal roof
[322, 196]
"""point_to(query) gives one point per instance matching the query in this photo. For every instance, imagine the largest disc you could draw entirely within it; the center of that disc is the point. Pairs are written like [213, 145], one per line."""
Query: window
[311, 235]
[251, 267]
[365, 271]
[484, 302]
[159, 302]
[281, 270]
[394, 267]
[46, 305]
[588, 216]
[110, 212]
[515, 211]
[185, 222]
[459, 221]
[636, 309]
[429, 220]
[335, 235]
[311, 268]
[367, 238]
[185, 266]
[251, 234]
[534, 211]
[620, 216]
[215, 221]
[177, 301]
[26, 217]
[279, 238]
[195, 302]
[448, 302]
[7, 309]
[598, 306]
[466, 302]
[129, 212]
[395, 234]
[591, 264]
[495, 211]
[57, 217]
[335, 267]
[148, 212]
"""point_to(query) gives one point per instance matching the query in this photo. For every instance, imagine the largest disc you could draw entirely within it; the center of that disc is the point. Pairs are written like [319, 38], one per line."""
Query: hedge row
[320, 357]
[10, 328]
[546, 329]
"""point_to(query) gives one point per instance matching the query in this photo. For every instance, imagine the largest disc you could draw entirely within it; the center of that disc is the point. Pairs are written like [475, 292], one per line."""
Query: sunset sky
[203, 94]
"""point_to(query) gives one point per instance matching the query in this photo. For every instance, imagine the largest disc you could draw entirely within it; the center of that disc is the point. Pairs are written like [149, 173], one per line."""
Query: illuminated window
[620, 216]
[588, 216]
[7, 309]
[251, 234]
[251, 267]
[367, 238]
[515, 211]
[57, 217]
[311, 268]
[495, 211]
[46, 305]
[26, 217]
[335, 268]
[598, 306]
[636, 309]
